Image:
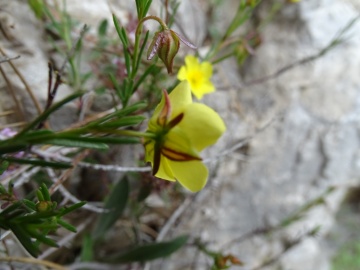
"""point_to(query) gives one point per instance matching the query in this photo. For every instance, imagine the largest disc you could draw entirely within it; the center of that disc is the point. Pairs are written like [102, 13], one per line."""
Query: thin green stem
[166, 11]
[203, 249]
[222, 58]
[75, 74]
[151, 17]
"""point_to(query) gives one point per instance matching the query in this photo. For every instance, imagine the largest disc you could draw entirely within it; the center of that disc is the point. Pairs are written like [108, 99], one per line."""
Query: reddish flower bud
[166, 44]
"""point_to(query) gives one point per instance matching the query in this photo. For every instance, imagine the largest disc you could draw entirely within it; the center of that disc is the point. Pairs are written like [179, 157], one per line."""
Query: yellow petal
[178, 141]
[191, 62]
[182, 74]
[201, 125]
[206, 69]
[205, 88]
[165, 170]
[180, 97]
[191, 174]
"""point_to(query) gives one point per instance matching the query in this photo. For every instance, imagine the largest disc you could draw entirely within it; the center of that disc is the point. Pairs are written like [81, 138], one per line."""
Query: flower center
[195, 77]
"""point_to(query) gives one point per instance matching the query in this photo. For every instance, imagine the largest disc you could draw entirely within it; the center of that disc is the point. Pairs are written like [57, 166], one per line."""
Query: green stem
[202, 248]
[75, 74]
[151, 17]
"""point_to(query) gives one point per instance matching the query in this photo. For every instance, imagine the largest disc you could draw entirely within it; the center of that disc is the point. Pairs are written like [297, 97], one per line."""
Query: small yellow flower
[198, 75]
[182, 129]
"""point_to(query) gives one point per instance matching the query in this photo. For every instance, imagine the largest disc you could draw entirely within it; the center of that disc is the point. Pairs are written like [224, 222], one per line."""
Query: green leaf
[36, 217]
[128, 89]
[25, 240]
[125, 121]
[125, 41]
[37, 7]
[105, 140]
[3, 166]
[146, 7]
[77, 142]
[126, 52]
[119, 113]
[29, 204]
[7, 147]
[142, 7]
[103, 28]
[115, 204]
[141, 51]
[151, 251]
[100, 90]
[35, 134]
[143, 76]
[138, 8]
[87, 254]
[243, 14]
[121, 32]
[11, 208]
[44, 226]
[66, 225]
[39, 195]
[116, 86]
[44, 190]
[65, 210]
[42, 238]
[144, 192]
[118, 140]
[38, 162]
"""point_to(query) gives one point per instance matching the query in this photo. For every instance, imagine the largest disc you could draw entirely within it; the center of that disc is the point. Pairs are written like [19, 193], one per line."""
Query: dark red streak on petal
[177, 156]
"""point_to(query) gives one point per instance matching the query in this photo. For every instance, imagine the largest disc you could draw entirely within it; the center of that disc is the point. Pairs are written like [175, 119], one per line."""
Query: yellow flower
[198, 75]
[182, 129]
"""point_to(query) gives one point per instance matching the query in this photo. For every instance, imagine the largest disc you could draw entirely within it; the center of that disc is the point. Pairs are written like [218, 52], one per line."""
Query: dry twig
[27, 87]
[29, 260]
[7, 59]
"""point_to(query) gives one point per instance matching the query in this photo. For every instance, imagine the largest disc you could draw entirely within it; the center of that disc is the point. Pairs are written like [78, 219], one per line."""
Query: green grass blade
[115, 204]
[41, 118]
[77, 142]
[151, 251]
[38, 162]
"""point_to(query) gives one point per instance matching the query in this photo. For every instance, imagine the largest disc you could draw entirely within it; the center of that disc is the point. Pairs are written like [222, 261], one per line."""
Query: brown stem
[22, 79]
[25, 260]
[166, 12]
[19, 111]
[7, 59]
[68, 172]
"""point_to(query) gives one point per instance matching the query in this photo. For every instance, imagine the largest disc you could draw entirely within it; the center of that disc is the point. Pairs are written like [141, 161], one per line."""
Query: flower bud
[43, 206]
[166, 44]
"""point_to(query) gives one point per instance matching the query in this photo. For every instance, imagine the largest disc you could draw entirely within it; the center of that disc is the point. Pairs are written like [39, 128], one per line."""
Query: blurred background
[284, 186]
